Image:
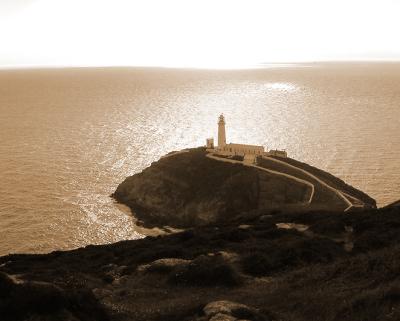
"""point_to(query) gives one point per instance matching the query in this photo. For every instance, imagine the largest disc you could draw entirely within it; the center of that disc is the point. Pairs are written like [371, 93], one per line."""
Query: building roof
[245, 146]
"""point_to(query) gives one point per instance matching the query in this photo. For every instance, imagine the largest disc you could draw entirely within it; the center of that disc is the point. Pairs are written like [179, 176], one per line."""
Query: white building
[241, 149]
[249, 152]
[221, 132]
[277, 153]
[210, 143]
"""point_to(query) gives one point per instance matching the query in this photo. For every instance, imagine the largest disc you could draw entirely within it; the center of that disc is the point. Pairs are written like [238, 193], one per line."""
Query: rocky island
[194, 187]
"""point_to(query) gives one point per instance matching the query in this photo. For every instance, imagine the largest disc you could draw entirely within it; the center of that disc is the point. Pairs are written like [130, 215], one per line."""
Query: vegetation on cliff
[332, 181]
[296, 267]
[189, 189]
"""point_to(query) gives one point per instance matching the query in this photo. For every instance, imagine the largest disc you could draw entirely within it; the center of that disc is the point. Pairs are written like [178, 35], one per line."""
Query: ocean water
[68, 137]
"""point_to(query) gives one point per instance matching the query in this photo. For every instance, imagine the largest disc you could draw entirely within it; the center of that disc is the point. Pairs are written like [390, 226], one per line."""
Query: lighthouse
[248, 152]
[221, 132]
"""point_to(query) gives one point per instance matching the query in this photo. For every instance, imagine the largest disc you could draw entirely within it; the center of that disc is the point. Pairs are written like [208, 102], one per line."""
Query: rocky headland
[313, 248]
[190, 188]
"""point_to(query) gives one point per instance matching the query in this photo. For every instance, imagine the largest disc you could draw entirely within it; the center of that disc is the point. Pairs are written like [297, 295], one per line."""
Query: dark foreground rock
[394, 204]
[22, 299]
[302, 266]
[188, 189]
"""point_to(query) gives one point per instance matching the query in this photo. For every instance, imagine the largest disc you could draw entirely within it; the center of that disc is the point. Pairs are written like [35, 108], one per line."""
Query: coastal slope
[193, 187]
[294, 267]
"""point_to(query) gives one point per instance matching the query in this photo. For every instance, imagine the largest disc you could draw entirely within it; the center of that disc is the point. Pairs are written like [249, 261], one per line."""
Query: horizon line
[260, 65]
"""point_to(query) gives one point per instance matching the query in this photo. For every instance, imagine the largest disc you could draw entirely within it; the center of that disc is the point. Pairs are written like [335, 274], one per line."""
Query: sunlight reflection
[282, 86]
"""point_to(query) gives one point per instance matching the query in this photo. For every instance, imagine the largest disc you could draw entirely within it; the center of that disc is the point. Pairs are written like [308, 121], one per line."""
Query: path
[339, 193]
[227, 160]
[346, 198]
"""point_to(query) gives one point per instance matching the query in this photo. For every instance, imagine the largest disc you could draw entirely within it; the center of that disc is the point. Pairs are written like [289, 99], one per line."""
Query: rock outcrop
[188, 189]
[394, 204]
[21, 299]
[230, 311]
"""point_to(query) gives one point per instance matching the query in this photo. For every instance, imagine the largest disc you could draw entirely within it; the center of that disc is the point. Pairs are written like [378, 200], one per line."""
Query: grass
[364, 287]
[331, 180]
[205, 271]
[284, 274]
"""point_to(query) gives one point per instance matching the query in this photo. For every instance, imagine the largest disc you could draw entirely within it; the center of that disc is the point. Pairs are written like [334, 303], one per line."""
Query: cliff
[188, 188]
[394, 204]
[297, 267]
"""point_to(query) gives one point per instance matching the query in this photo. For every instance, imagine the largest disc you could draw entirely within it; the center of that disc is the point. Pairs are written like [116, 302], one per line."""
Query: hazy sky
[195, 33]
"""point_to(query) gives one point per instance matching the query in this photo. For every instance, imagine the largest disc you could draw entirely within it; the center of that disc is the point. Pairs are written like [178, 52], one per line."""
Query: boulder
[162, 265]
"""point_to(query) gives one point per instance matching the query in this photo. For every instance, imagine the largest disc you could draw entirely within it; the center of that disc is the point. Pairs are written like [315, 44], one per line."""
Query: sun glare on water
[282, 86]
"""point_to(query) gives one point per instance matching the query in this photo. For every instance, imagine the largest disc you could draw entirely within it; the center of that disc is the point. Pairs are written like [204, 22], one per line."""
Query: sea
[69, 136]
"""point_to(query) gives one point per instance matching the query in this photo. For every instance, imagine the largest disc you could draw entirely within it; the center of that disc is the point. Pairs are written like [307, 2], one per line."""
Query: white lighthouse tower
[221, 132]
[249, 153]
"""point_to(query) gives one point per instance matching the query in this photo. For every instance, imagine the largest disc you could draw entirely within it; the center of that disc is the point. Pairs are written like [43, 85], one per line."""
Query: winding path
[339, 193]
[227, 160]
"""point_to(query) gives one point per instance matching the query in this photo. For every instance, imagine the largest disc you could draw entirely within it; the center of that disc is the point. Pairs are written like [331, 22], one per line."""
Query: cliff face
[189, 189]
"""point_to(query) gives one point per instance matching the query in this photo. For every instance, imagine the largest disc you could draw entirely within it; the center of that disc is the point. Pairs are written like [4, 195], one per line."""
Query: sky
[195, 33]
